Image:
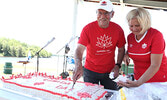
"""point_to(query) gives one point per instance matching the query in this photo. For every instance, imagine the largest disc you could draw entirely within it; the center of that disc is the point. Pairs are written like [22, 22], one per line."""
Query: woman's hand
[129, 83]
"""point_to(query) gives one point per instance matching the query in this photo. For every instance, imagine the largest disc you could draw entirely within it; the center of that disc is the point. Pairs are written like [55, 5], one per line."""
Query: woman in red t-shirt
[146, 47]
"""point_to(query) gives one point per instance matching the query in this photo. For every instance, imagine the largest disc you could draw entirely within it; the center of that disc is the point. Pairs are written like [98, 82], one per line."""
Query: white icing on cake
[51, 88]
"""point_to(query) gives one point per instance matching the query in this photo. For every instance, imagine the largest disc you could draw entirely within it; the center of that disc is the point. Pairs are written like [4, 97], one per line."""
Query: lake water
[42, 61]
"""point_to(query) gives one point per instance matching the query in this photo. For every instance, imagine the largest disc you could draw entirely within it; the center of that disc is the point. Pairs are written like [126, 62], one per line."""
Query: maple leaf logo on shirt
[144, 45]
[104, 41]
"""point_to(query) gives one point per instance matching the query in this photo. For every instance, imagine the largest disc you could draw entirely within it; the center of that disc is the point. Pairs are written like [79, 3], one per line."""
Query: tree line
[14, 48]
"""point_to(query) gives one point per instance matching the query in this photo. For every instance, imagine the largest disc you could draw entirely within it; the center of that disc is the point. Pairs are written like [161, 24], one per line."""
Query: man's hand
[126, 60]
[77, 73]
[116, 71]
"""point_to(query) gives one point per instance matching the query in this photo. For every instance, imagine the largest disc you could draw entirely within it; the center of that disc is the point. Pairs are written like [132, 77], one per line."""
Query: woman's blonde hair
[143, 17]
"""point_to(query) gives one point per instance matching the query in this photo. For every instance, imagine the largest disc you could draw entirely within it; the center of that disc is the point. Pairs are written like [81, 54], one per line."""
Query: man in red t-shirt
[100, 39]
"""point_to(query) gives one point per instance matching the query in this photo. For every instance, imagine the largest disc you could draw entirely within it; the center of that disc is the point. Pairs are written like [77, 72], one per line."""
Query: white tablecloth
[147, 91]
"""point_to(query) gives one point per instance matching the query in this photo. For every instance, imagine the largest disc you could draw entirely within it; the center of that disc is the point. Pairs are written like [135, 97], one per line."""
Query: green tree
[6, 50]
[14, 48]
[13, 51]
[1, 48]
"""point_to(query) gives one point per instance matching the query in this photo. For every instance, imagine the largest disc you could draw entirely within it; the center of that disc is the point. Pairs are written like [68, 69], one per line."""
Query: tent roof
[150, 4]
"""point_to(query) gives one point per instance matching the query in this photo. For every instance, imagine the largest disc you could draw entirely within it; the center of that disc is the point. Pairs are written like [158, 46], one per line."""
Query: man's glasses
[105, 13]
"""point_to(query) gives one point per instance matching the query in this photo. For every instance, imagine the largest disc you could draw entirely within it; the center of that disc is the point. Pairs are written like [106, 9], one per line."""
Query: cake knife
[73, 85]
[74, 82]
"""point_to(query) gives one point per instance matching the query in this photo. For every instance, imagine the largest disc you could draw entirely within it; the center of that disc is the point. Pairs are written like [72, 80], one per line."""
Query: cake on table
[49, 87]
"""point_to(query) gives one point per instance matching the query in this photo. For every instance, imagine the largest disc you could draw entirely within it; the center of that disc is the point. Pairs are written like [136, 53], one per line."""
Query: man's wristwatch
[119, 65]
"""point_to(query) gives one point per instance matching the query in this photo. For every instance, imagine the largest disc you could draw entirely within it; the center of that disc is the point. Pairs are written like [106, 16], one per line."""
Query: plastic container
[8, 68]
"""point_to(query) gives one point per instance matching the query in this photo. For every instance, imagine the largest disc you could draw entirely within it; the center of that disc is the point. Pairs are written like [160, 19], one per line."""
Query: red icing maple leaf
[84, 95]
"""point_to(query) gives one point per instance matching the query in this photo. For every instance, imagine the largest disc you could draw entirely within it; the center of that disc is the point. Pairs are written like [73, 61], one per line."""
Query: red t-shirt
[100, 44]
[140, 52]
